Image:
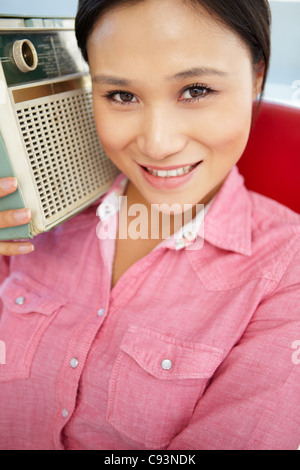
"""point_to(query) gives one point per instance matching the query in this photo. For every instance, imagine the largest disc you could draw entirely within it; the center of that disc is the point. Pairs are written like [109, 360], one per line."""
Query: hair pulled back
[249, 19]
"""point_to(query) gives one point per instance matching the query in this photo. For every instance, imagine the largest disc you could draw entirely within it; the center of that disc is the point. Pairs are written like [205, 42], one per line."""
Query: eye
[195, 92]
[121, 97]
[124, 96]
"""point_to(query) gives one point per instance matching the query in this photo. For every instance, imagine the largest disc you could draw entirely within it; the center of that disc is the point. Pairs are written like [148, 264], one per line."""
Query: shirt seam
[285, 267]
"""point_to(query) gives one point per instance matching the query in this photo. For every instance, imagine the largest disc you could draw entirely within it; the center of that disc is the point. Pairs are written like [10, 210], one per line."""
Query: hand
[13, 218]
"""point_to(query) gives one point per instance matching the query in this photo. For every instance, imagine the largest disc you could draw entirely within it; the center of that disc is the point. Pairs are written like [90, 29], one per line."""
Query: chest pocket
[26, 310]
[155, 385]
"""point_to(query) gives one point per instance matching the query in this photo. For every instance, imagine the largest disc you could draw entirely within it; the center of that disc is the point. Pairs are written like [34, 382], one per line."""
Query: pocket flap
[168, 358]
[21, 295]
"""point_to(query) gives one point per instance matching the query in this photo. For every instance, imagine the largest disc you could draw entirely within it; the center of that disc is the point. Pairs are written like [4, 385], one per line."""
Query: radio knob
[25, 55]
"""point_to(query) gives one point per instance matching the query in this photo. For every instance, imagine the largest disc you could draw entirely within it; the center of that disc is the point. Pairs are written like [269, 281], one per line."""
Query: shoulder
[248, 237]
[66, 247]
[275, 229]
[267, 212]
[60, 253]
[275, 236]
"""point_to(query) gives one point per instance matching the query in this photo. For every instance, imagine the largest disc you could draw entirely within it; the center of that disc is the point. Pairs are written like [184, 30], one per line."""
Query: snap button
[64, 413]
[189, 236]
[106, 210]
[20, 300]
[166, 364]
[100, 312]
[74, 363]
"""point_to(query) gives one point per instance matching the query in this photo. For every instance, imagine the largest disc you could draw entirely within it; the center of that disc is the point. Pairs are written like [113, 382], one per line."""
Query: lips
[166, 168]
[170, 172]
[171, 178]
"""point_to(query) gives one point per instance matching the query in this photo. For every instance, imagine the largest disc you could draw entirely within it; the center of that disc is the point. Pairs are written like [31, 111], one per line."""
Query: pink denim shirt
[196, 346]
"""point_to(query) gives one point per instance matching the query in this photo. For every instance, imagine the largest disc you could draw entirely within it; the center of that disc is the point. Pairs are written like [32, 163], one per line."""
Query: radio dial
[25, 55]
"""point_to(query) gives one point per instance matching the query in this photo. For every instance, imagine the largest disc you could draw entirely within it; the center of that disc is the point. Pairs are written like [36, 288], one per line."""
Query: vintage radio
[48, 139]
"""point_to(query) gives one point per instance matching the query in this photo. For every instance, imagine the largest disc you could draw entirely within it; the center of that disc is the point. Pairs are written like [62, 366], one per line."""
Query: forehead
[159, 33]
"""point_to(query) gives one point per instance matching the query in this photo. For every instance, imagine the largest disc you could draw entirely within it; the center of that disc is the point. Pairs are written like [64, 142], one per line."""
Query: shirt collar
[109, 204]
[228, 223]
[227, 217]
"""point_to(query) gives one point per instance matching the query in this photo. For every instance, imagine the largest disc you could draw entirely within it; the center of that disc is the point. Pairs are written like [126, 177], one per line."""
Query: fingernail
[22, 215]
[8, 184]
[26, 249]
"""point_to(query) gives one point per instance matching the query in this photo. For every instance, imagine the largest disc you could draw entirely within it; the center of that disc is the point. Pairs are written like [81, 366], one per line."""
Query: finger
[15, 248]
[14, 218]
[7, 186]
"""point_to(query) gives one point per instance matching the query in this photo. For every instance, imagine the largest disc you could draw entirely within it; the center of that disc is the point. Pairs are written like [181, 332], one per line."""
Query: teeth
[171, 173]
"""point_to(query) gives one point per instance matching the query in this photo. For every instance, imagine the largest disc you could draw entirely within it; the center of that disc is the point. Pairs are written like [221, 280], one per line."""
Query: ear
[258, 78]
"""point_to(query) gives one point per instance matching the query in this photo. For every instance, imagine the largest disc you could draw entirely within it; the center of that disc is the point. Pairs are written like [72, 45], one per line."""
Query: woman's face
[173, 91]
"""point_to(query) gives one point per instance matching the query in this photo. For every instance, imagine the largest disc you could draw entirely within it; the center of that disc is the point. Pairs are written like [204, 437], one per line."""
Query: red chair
[271, 161]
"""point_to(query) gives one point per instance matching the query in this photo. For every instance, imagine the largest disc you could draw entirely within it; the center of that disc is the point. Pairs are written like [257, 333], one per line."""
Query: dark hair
[250, 19]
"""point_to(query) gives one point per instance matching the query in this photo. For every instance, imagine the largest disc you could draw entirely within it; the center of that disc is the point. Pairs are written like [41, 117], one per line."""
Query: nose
[160, 134]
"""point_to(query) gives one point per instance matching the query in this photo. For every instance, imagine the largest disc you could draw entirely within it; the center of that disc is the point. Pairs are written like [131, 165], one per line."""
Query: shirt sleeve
[253, 402]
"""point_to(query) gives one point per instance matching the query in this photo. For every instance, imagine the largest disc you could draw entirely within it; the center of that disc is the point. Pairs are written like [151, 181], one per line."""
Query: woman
[153, 342]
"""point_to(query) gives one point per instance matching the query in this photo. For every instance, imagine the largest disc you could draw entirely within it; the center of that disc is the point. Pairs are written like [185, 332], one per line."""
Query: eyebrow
[198, 71]
[189, 73]
[110, 80]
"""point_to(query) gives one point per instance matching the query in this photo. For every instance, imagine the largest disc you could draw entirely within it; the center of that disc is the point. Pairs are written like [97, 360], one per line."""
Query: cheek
[226, 131]
[233, 135]
[114, 135]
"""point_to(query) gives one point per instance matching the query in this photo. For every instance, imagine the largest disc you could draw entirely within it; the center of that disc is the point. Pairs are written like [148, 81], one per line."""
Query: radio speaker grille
[63, 150]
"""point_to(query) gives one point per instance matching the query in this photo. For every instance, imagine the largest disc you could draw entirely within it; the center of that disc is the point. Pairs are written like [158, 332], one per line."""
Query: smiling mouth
[172, 173]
